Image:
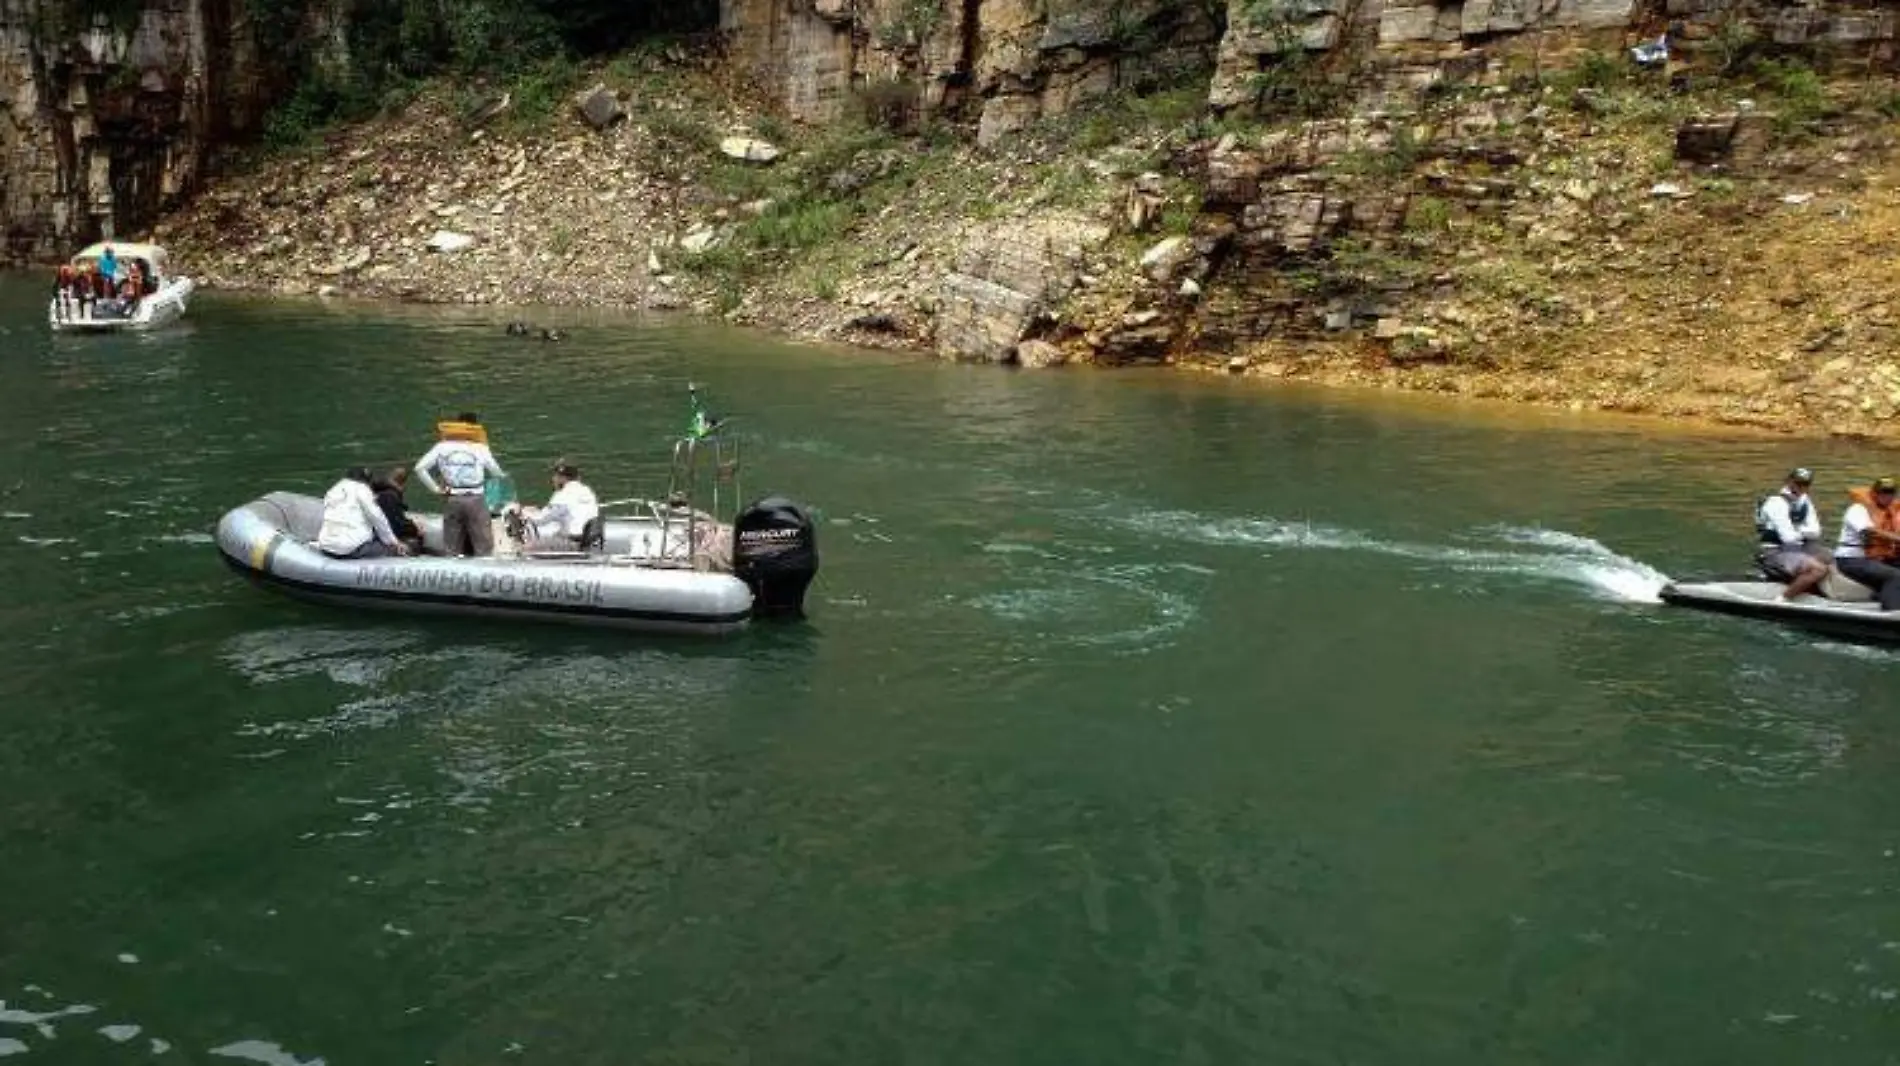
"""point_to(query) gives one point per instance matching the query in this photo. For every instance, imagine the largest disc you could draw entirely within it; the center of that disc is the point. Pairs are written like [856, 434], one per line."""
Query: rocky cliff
[1005, 62]
[1010, 62]
[108, 114]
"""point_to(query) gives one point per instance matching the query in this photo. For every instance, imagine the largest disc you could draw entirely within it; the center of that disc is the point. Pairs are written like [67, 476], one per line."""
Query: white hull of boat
[161, 308]
[268, 540]
[1858, 619]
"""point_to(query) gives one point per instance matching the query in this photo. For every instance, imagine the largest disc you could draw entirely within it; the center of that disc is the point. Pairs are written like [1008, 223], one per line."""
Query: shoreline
[1753, 298]
[1490, 411]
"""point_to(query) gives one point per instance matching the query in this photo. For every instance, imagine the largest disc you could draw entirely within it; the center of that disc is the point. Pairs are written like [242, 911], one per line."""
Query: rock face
[1009, 61]
[106, 123]
[1006, 279]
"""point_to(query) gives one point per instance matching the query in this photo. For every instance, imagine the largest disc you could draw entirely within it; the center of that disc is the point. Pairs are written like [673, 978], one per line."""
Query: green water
[1140, 718]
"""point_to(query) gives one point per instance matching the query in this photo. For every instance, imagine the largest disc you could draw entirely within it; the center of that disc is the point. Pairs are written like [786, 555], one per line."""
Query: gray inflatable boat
[1847, 610]
[671, 570]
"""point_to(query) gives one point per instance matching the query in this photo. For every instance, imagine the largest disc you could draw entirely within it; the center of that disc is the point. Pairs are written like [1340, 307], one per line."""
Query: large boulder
[1706, 140]
[599, 106]
[446, 241]
[1005, 278]
[749, 149]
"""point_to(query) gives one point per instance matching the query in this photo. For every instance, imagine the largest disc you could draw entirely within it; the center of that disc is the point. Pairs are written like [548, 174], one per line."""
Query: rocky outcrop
[104, 124]
[1007, 279]
[1006, 62]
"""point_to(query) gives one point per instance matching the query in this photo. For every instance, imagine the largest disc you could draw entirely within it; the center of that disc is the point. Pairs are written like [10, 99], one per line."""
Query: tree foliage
[388, 44]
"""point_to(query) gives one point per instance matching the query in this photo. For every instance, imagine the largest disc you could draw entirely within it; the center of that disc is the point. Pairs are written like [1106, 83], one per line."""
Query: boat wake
[1542, 554]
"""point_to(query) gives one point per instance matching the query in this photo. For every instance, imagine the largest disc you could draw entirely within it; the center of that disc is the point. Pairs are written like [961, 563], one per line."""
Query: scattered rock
[1039, 355]
[1238, 364]
[1705, 140]
[1388, 329]
[878, 322]
[354, 261]
[490, 110]
[1162, 260]
[446, 241]
[749, 149]
[599, 106]
[1190, 289]
[699, 241]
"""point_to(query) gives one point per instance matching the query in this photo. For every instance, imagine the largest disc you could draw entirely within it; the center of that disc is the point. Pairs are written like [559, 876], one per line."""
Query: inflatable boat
[1846, 610]
[666, 567]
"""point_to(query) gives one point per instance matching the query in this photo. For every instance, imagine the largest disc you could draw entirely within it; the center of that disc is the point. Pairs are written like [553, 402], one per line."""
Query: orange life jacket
[472, 432]
[1885, 519]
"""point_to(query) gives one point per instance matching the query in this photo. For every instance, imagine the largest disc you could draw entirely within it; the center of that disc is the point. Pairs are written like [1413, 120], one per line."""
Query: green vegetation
[1427, 214]
[1800, 98]
[528, 47]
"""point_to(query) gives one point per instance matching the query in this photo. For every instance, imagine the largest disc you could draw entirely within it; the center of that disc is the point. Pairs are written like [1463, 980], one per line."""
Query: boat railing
[705, 467]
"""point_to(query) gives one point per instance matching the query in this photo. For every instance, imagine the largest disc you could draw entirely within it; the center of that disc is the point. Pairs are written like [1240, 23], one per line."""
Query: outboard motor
[775, 552]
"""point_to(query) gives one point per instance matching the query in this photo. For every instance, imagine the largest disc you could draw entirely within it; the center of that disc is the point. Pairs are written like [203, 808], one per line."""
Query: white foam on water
[10, 1046]
[185, 538]
[15, 516]
[42, 1020]
[267, 1052]
[119, 1034]
[1537, 553]
[159, 1047]
[1863, 652]
[128, 958]
[44, 542]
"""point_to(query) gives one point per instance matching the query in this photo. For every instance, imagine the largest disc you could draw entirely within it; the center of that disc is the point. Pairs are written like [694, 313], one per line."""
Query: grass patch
[1427, 214]
[1799, 96]
[539, 93]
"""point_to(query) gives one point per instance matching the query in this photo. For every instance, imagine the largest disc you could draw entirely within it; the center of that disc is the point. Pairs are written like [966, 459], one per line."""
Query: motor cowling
[775, 552]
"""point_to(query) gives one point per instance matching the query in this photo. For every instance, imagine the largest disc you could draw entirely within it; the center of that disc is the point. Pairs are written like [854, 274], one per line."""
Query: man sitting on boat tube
[1788, 529]
[572, 506]
[353, 526]
[463, 460]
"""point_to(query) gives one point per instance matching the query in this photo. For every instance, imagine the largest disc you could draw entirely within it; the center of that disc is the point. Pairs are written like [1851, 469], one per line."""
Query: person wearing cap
[1870, 541]
[1788, 532]
[569, 509]
[389, 499]
[353, 526]
[464, 463]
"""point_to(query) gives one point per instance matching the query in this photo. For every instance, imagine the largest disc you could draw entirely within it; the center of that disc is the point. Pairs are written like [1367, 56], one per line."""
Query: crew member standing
[464, 464]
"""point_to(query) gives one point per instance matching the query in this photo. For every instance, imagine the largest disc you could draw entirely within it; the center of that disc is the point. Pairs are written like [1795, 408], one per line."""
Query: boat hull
[1862, 622]
[268, 540]
[162, 308]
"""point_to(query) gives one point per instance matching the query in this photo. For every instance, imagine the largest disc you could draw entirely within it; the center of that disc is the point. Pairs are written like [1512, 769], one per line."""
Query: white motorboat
[161, 298]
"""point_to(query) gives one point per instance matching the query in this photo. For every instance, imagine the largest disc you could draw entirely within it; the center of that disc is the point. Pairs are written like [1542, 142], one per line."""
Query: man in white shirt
[572, 506]
[1787, 532]
[353, 525]
[464, 467]
[1870, 539]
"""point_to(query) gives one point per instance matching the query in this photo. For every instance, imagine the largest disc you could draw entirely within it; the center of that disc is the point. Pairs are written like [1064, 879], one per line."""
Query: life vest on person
[1798, 510]
[1887, 520]
[473, 432]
